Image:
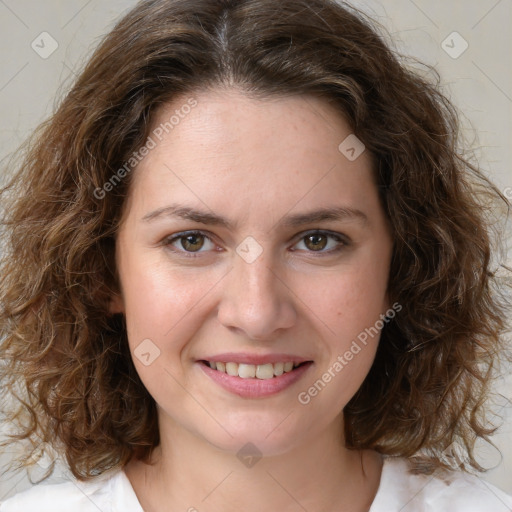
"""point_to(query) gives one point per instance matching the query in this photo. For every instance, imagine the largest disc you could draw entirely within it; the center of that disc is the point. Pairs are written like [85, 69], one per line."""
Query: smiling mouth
[255, 371]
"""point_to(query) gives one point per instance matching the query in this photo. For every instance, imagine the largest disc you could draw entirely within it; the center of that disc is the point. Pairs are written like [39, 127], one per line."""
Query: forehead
[223, 148]
[226, 117]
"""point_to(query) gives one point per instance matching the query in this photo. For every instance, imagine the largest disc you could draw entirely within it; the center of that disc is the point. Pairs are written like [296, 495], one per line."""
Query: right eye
[187, 243]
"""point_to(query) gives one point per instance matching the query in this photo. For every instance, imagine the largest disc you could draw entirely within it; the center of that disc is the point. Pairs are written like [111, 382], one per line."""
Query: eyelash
[343, 242]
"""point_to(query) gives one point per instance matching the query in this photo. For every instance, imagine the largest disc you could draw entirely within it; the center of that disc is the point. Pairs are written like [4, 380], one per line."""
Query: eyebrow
[290, 221]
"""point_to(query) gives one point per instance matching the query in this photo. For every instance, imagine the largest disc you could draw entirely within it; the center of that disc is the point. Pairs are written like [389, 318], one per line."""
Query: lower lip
[255, 388]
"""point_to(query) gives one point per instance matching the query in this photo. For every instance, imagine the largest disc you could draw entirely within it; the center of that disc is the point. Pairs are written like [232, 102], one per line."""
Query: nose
[256, 300]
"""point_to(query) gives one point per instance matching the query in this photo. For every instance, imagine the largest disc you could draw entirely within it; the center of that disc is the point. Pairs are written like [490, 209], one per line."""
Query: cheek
[161, 308]
[346, 309]
[346, 301]
[345, 305]
[157, 300]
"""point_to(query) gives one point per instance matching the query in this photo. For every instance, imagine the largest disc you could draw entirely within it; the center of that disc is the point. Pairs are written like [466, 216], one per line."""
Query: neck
[318, 475]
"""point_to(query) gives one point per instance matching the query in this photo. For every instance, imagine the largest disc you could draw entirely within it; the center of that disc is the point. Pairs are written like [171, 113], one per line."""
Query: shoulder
[450, 491]
[108, 493]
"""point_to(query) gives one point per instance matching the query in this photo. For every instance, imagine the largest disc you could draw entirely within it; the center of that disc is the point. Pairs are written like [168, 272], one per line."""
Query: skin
[253, 162]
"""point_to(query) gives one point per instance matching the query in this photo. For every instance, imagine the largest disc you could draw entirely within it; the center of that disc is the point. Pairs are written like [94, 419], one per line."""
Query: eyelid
[318, 231]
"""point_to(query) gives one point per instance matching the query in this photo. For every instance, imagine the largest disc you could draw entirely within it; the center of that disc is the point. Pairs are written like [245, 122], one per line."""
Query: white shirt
[399, 491]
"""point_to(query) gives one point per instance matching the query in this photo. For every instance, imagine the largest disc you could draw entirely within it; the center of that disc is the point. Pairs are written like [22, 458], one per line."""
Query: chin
[268, 436]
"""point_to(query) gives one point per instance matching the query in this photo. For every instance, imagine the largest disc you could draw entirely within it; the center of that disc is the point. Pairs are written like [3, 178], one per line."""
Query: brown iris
[318, 240]
[192, 242]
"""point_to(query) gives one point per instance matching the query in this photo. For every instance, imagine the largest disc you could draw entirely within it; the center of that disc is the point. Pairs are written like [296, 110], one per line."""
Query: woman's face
[260, 275]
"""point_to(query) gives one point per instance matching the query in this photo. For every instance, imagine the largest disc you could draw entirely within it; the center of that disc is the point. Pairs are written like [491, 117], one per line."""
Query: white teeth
[232, 369]
[288, 366]
[251, 371]
[246, 371]
[265, 371]
[278, 369]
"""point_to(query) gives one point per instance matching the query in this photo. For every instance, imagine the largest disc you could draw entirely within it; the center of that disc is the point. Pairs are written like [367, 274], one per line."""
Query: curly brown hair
[67, 366]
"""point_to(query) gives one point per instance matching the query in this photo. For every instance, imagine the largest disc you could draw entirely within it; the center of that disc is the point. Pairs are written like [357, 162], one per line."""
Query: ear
[116, 304]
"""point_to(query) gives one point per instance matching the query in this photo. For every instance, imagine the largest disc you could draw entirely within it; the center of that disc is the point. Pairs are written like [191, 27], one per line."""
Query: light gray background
[479, 81]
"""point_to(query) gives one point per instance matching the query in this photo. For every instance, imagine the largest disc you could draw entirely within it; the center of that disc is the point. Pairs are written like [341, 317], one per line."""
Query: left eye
[190, 242]
[318, 240]
[193, 241]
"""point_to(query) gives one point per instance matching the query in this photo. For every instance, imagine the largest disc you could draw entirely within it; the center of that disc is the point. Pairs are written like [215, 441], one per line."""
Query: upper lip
[240, 357]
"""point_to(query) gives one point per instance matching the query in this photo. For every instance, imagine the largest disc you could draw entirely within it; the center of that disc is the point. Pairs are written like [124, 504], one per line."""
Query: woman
[247, 267]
